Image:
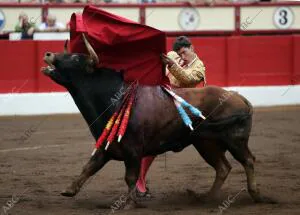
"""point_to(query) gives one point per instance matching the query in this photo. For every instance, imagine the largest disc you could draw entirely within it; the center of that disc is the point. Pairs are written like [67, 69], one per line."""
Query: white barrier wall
[9, 15]
[61, 103]
[191, 18]
[64, 14]
[174, 17]
[270, 18]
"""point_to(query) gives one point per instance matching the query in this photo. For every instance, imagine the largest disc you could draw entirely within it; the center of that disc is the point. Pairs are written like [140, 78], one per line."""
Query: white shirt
[58, 25]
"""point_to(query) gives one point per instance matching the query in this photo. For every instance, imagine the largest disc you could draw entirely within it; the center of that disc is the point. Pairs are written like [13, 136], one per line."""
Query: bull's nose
[49, 58]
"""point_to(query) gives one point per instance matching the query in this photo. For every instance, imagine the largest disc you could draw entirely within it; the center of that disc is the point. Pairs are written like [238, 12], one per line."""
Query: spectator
[253, 1]
[24, 26]
[147, 1]
[51, 25]
[111, 1]
[54, 1]
[244, 1]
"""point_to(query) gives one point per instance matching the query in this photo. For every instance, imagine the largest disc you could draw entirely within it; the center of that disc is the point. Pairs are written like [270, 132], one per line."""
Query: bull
[155, 126]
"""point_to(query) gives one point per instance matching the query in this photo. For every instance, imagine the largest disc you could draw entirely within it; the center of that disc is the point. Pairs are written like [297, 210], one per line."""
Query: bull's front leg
[96, 162]
[133, 165]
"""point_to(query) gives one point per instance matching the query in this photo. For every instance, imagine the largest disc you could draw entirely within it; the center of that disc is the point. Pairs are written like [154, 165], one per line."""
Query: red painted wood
[295, 79]
[229, 61]
[17, 62]
[265, 60]
[233, 66]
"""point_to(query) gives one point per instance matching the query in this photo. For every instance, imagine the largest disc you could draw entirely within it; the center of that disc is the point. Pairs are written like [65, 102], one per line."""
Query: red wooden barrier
[296, 60]
[18, 64]
[265, 60]
[229, 61]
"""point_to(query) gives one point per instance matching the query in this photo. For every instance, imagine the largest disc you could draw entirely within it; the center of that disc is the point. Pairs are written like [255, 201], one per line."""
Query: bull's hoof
[192, 195]
[67, 193]
[204, 197]
[258, 198]
[265, 200]
[70, 191]
[214, 195]
[130, 204]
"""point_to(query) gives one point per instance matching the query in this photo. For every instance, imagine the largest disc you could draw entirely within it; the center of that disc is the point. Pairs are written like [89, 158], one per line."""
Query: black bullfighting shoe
[143, 195]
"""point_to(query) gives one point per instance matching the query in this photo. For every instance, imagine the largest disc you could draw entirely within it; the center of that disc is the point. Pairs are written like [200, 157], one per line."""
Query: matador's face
[186, 54]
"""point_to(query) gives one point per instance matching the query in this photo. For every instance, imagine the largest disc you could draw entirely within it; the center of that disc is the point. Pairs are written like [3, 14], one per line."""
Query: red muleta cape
[121, 44]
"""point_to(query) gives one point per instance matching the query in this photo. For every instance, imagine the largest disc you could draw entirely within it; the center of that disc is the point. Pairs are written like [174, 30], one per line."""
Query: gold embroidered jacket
[189, 75]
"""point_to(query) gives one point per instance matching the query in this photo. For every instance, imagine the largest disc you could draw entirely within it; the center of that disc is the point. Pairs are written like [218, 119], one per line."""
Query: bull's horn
[90, 50]
[66, 47]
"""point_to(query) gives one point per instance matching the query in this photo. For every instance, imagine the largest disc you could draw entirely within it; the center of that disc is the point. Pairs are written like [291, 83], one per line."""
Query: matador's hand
[166, 60]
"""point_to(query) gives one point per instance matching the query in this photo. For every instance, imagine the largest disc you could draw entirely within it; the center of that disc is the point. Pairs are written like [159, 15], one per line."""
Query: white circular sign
[2, 20]
[283, 17]
[189, 19]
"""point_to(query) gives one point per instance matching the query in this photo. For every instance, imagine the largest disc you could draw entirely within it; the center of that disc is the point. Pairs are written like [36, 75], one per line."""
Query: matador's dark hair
[180, 42]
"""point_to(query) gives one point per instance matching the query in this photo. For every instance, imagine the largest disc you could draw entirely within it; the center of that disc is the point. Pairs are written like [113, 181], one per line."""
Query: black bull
[155, 126]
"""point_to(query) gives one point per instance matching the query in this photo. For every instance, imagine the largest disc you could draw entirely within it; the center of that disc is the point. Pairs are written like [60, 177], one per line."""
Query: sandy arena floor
[39, 156]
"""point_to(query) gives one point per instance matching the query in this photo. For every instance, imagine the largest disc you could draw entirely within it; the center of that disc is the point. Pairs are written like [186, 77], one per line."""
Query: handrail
[181, 4]
[142, 18]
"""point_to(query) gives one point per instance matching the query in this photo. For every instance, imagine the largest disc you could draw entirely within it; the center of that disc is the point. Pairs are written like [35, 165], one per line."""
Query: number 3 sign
[283, 17]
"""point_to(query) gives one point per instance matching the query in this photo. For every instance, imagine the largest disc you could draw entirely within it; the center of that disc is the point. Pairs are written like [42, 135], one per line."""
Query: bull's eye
[75, 58]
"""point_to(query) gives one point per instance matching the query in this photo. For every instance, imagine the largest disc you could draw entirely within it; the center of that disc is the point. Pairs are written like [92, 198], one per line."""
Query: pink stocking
[145, 164]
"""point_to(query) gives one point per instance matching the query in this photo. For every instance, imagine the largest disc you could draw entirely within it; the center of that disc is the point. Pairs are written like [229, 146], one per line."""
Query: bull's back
[216, 102]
